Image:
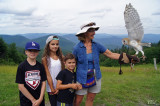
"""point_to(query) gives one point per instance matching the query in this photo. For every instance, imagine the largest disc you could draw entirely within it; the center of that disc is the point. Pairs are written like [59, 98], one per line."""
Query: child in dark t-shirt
[66, 82]
[31, 78]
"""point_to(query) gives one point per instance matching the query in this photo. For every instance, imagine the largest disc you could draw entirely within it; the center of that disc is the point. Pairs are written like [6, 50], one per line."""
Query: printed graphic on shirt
[72, 90]
[32, 78]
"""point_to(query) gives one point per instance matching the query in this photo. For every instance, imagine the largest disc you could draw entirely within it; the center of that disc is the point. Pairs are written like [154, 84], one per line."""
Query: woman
[87, 54]
[53, 63]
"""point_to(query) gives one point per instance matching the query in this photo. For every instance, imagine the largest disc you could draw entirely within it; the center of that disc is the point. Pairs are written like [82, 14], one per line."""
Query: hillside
[64, 43]
[20, 41]
[114, 41]
[67, 41]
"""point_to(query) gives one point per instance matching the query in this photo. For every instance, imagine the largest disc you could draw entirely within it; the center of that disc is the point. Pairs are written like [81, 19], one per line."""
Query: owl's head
[125, 41]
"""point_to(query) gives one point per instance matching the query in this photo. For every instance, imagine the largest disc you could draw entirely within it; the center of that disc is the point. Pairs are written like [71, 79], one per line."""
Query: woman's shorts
[94, 89]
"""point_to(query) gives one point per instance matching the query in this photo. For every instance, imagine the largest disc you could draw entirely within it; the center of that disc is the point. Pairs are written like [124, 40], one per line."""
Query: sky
[67, 16]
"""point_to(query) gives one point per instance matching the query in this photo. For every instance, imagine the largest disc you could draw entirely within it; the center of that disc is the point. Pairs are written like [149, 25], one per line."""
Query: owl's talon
[134, 55]
[143, 58]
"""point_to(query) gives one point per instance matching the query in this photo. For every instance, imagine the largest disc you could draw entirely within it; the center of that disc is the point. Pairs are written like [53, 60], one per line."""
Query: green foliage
[3, 48]
[107, 61]
[9, 54]
[150, 53]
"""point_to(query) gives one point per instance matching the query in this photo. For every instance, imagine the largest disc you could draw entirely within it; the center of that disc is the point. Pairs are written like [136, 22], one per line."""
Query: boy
[66, 82]
[31, 78]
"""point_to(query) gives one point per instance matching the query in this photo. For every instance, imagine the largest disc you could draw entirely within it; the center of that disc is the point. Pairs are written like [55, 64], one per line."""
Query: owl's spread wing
[133, 23]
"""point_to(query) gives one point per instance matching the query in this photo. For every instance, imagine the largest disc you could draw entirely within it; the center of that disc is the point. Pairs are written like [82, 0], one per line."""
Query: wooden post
[155, 65]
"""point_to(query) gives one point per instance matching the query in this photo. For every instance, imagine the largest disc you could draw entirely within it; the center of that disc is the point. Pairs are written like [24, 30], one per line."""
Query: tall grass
[139, 87]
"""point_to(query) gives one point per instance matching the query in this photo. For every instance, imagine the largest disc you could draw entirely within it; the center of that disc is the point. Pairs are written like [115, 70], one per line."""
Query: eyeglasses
[32, 50]
[91, 30]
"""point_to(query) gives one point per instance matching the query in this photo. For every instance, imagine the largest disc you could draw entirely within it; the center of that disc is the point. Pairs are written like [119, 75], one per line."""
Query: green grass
[138, 87]
[132, 88]
[9, 93]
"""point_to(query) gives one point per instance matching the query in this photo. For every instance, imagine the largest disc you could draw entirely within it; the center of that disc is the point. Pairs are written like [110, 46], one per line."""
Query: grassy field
[134, 88]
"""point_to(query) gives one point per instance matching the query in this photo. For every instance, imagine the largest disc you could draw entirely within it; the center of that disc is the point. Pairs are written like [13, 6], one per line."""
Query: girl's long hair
[47, 51]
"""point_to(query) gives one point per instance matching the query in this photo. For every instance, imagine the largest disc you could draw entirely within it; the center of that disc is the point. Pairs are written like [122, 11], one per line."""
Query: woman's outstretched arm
[111, 55]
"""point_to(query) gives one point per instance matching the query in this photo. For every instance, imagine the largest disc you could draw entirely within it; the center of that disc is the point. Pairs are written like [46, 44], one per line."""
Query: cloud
[146, 20]
[17, 12]
[32, 21]
[69, 15]
[156, 13]
[101, 15]
[17, 7]
[96, 11]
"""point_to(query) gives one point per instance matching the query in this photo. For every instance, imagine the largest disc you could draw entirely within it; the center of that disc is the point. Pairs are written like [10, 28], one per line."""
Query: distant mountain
[109, 41]
[20, 41]
[114, 41]
[67, 41]
[71, 37]
[35, 35]
[64, 43]
[38, 35]
[153, 38]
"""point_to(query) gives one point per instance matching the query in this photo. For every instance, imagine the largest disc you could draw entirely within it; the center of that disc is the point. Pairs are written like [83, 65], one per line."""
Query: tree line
[11, 55]
[150, 53]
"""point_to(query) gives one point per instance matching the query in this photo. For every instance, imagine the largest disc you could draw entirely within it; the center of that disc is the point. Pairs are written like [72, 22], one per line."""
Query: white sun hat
[85, 27]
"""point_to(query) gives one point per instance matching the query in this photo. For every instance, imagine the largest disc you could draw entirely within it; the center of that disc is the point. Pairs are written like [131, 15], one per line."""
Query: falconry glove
[125, 59]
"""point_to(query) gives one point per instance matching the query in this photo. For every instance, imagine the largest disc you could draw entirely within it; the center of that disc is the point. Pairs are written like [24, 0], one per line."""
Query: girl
[53, 62]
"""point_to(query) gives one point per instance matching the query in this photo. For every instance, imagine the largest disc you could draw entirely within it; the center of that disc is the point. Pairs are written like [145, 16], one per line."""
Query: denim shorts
[93, 89]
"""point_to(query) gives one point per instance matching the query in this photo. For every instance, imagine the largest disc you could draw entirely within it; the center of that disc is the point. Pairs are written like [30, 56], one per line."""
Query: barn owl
[135, 30]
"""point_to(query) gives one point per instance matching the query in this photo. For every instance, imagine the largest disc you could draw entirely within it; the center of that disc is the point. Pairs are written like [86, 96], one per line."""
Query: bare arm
[42, 90]
[38, 102]
[26, 93]
[49, 78]
[111, 55]
[61, 86]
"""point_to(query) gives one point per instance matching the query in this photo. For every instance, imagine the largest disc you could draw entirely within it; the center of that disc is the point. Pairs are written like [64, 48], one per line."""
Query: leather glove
[125, 59]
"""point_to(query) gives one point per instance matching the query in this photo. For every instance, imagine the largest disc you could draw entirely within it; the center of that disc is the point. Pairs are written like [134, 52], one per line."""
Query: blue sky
[66, 16]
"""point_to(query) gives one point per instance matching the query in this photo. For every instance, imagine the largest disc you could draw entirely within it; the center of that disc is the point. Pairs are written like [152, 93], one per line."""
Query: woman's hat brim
[85, 29]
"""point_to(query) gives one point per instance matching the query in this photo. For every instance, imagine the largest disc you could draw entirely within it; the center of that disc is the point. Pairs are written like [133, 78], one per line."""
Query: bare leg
[78, 100]
[90, 99]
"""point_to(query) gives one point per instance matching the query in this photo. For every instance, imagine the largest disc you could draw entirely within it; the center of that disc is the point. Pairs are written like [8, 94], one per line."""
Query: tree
[14, 55]
[3, 49]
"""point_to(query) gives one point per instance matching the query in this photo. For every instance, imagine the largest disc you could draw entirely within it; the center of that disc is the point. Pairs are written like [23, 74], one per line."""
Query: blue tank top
[90, 61]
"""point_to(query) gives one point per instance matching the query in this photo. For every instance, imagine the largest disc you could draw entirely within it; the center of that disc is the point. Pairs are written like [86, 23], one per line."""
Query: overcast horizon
[66, 16]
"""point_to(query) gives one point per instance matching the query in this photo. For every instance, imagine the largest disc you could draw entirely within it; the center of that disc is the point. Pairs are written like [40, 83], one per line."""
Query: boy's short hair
[69, 56]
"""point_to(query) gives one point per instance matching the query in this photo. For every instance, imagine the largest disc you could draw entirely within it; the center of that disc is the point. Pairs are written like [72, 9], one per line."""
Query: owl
[135, 30]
